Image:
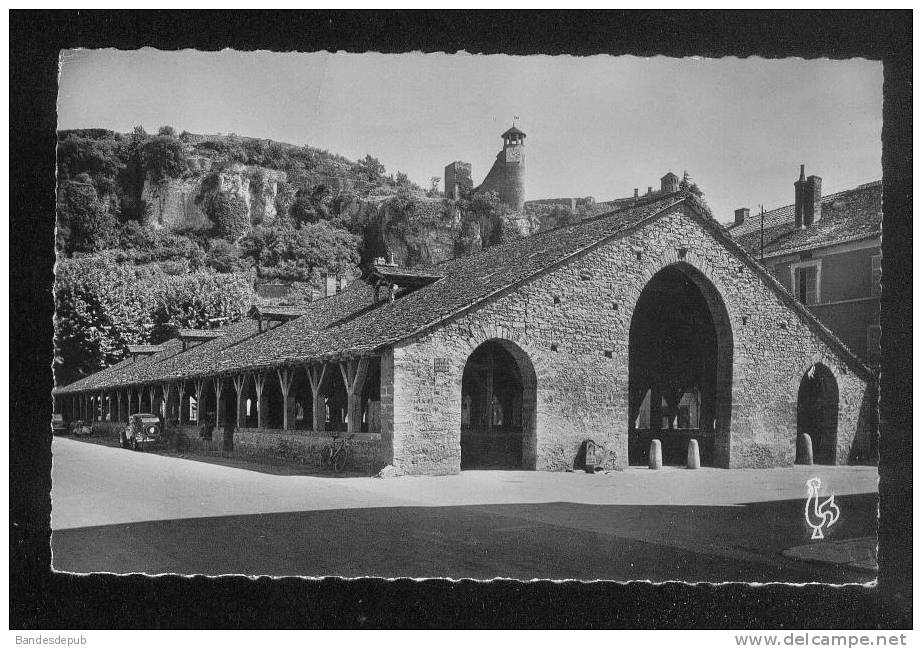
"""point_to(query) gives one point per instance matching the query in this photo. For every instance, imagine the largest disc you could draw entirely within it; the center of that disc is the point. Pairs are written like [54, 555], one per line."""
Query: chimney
[800, 187]
[740, 215]
[813, 200]
[330, 287]
[635, 192]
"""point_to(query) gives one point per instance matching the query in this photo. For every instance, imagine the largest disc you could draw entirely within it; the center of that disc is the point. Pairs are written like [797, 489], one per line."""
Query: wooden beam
[319, 378]
[259, 380]
[218, 383]
[239, 384]
[354, 373]
[286, 375]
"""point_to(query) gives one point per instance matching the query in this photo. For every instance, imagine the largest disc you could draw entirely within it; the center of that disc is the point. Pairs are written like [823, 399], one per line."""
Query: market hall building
[646, 322]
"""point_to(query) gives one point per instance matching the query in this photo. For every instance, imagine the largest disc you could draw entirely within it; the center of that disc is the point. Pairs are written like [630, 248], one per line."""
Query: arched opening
[498, 408]
[680, 369]
[818, 412]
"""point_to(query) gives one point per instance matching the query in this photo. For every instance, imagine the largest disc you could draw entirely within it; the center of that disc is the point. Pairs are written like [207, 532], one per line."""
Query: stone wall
[573, 324]
[304, 447]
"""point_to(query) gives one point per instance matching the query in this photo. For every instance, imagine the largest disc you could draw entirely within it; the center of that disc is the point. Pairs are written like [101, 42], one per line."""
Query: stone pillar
[656, 454]
[285, 375]
[694, 458]
[319, 378]
[259, 381]
[354, 372]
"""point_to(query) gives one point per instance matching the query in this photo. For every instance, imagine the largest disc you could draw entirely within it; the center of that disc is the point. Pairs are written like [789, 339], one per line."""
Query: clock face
[514, 154]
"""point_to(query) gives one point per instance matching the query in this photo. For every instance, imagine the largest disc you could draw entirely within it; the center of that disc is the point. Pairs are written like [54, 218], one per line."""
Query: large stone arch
[515, 402]
[698, 271]
[818, 412]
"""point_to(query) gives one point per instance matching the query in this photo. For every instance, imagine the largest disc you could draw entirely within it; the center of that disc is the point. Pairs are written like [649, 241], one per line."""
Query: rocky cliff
[180, 202]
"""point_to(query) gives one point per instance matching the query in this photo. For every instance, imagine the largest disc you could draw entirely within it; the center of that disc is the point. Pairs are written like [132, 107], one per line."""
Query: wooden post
[319, 377]
[199, 388]
[218, 383]
[140, 399]
[167, 390]
[259, 380]
[285, 375]
[240, 382]
[118, 402]
[354, 373]
[181, 391]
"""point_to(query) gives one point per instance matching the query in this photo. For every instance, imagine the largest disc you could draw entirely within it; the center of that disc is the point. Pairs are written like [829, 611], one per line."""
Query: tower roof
[513, 131]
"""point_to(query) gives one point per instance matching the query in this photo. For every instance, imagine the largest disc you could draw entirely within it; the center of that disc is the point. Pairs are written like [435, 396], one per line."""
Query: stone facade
[569, 327]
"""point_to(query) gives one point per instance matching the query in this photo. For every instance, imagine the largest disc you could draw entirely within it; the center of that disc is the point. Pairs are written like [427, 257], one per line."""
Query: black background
[41, 599]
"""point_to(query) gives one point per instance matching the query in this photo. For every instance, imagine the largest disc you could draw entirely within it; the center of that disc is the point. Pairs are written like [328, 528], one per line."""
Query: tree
[295, 253]
[99, 308]
[229, 213]
[310, 205]
[371, 168]
[85, 222]
[687, 184]
[489, 209]
[433, 186]
[162, 157]
[195, 300]
[169, 131]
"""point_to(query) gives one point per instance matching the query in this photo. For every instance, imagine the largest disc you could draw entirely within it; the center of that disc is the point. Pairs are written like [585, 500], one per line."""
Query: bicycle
[335, 456]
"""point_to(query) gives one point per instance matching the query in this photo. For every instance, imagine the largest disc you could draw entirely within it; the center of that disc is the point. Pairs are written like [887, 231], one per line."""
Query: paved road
[121, 511]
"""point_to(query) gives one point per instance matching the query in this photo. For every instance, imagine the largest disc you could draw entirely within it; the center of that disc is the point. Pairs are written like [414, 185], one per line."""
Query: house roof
[352, 324]
[849, 215]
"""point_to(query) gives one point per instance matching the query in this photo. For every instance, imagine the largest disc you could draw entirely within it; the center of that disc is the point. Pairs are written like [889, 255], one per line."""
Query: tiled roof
[846, 216]
[351, 323]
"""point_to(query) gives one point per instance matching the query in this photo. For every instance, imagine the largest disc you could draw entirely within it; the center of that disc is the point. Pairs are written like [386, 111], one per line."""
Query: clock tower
[513, 158]
[507, 175]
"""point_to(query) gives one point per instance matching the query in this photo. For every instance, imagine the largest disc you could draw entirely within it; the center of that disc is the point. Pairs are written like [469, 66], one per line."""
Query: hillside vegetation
[163, 231]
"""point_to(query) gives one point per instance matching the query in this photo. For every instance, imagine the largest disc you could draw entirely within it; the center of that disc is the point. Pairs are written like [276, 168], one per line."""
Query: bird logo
[819, 514]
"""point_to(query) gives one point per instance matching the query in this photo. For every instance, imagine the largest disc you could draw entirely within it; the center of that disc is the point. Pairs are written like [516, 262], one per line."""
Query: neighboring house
[826, 251]
[646, 322]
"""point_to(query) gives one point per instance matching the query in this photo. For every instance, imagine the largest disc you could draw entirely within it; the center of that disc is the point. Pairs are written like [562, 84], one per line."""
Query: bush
[228, 212]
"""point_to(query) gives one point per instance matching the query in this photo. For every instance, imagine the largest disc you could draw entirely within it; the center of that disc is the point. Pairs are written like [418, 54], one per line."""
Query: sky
[597, 126]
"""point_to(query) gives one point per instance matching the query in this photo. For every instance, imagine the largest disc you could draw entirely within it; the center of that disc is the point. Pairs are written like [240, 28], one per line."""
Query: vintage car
[58, 425]
[81, 428]
[143, 430]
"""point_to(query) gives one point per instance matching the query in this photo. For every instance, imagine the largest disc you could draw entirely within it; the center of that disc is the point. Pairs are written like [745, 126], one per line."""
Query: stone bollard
[804, 449]
[694, 458]
[656, 454]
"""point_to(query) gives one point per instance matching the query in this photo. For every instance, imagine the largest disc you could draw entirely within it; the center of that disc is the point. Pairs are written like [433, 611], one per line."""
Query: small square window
[805, 281]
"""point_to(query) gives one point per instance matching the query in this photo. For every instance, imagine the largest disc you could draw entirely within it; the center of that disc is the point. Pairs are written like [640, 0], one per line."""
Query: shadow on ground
[558, 540]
